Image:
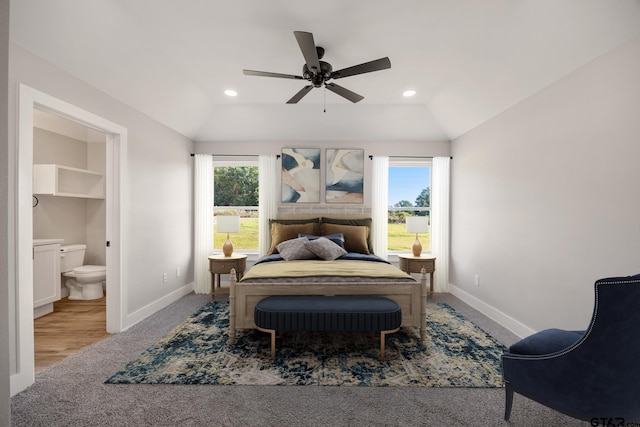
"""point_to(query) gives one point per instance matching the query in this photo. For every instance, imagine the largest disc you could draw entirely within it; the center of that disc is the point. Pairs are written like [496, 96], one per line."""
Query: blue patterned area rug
[456, 354]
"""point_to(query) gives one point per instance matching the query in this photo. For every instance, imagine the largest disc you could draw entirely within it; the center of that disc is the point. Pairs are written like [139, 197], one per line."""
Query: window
[236, 190]
[409, 194]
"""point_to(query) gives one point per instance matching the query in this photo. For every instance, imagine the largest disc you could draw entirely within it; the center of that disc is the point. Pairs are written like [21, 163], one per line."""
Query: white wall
[158, 186]
[5, 408]
[545, 196]
[96, 211]
[371, 148]
[52, 147]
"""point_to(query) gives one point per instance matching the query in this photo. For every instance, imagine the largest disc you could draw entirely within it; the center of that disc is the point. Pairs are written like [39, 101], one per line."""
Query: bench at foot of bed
[319, 313]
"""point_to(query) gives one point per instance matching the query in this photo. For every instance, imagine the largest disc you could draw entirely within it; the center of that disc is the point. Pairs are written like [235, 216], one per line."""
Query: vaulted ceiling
[468, 60]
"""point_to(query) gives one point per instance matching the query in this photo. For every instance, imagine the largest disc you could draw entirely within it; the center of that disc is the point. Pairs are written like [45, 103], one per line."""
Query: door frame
[116, 285]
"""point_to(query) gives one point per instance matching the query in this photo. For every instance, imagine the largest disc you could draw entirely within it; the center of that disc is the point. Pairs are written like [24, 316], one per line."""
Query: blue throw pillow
[337, 238]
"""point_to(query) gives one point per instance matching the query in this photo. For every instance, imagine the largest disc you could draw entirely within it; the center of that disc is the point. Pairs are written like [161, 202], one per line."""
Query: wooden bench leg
[272, 332]
[383, 335]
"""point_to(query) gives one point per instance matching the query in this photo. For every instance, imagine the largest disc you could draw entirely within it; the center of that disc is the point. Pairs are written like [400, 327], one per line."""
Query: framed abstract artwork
[300, 175]
[344, 178]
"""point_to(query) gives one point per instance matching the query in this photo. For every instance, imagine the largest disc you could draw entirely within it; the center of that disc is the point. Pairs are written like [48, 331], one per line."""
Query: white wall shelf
[58, 180]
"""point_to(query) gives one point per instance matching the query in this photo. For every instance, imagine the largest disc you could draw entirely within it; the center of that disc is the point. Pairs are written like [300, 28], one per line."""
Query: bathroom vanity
[46, 275]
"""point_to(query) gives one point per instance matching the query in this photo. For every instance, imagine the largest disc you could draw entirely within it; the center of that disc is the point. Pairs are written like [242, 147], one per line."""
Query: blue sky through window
[406, 182]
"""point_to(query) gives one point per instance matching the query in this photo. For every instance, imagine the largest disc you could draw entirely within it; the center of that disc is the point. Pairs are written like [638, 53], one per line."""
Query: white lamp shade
[417, 224]
[228, 224]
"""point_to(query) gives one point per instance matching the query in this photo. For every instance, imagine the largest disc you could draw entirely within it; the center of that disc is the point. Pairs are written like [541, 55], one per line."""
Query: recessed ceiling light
[230, 92]
[408, 93]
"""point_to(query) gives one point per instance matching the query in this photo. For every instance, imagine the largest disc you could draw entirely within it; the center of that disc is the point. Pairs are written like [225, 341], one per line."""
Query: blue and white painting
[300, 175]
[344, 176]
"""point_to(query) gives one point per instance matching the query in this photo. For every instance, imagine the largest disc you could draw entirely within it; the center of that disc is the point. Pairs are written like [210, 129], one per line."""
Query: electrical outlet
[177, 272]
[165, 277]
[476, 280]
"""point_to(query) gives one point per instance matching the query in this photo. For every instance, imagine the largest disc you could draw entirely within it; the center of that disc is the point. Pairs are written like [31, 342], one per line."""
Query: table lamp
[417, 224]
[228, 224]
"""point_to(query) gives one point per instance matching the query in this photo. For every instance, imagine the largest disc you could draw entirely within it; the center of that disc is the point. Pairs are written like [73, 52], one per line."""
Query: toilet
[83, 281]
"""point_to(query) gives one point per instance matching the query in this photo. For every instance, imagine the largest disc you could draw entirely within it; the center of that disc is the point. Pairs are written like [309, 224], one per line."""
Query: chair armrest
[546, 342]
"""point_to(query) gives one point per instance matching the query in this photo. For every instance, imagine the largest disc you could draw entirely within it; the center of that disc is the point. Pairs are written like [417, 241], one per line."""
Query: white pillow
[325, 248]
[295, 249]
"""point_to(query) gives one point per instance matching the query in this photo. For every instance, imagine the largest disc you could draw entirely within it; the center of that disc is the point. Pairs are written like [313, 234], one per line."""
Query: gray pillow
[325, 249]
[295, 249]
[337, 238]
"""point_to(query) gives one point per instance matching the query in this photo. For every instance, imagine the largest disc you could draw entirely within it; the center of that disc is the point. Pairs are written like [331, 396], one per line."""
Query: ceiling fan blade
[267, 74]
[308, 48]
[367, 67]
[298, 96]
[345, 93]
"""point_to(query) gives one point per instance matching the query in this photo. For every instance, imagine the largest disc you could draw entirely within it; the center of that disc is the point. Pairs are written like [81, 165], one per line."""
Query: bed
[324, 256]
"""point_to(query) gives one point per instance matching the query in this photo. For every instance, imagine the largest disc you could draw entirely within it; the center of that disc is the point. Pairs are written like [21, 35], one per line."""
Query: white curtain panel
[440, 234]
[267, 183]
[379, 203]
[203, 207]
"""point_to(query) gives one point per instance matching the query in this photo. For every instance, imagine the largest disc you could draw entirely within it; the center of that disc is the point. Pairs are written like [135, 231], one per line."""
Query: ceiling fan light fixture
[317, 72]
[230, 93]
[408, 93]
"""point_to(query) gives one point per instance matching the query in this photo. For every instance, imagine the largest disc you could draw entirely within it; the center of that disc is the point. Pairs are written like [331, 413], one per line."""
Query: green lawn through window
[247, 238]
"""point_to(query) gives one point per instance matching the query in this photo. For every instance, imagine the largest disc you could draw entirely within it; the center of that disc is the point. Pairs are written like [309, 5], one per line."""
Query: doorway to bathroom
[69, 206]
[114, 242]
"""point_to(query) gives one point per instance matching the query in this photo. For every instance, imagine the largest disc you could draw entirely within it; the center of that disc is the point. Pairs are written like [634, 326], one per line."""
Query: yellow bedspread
[311, 268]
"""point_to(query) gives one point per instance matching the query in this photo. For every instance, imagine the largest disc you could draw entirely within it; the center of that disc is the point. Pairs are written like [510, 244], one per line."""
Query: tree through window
[409, 195]
[236, 191]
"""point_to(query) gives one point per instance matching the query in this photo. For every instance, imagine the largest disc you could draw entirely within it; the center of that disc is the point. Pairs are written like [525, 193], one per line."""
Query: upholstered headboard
[355, 228]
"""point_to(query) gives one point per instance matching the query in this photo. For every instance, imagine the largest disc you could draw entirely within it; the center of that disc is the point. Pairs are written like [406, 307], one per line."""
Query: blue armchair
[592, 374]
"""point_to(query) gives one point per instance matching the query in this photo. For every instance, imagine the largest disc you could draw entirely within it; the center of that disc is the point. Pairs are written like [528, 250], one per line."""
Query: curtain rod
[227, 155]
[278, 156]
[411, 157]
[232, 155]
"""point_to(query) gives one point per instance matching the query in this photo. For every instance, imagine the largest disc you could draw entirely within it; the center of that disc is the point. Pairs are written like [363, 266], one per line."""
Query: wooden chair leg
[508, 401]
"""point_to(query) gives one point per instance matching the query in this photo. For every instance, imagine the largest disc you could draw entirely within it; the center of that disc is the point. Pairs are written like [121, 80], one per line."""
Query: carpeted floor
[456, 353]
[73, 393]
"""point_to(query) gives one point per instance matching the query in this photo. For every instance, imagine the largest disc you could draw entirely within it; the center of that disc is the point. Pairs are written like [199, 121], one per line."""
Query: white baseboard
[20, 381]
[42, 310]
[149, 309]
[492, 313]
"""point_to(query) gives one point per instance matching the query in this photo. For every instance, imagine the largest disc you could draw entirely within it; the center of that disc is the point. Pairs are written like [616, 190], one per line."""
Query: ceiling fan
[318, 73]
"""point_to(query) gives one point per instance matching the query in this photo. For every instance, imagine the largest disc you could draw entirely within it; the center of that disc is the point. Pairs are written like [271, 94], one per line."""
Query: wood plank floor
[72, 325]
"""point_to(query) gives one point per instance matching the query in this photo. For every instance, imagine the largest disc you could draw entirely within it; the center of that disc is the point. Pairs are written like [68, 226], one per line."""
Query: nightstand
[414, 264]
[220, 264]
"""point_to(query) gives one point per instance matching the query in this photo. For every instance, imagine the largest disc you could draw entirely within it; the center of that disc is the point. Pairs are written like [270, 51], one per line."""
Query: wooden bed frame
[410, 296]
